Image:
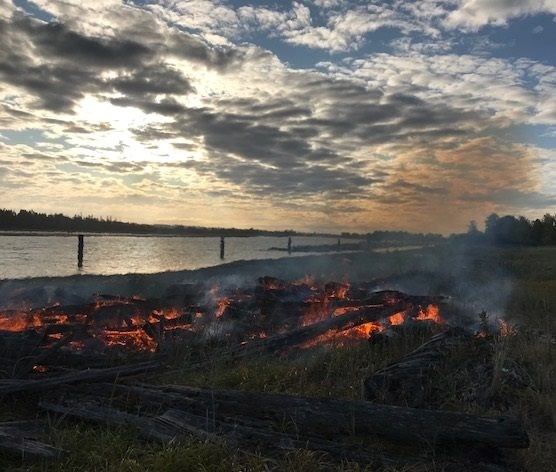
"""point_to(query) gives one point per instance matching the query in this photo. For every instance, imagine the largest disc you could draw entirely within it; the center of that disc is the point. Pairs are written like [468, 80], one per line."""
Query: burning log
[20, 438]
[124, 324]
[307, 333]
[11, 386]
[330, 417]
[406, 381]
[28, 364]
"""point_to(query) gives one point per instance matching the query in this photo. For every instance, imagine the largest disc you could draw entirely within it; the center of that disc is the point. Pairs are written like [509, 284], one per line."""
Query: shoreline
[42, 289]
[36, 292]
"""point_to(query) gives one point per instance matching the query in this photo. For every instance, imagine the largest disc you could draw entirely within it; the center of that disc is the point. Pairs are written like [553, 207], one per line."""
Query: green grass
[339, 372]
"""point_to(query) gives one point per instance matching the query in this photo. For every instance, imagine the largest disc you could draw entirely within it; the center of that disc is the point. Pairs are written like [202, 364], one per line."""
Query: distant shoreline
[165, 235]
[24, 221]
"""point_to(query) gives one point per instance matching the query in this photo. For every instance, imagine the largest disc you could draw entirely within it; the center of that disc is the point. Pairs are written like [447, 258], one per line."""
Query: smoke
[469, 275]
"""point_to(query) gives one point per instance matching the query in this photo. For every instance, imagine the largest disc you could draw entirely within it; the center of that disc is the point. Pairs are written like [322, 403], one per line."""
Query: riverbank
[42, 291]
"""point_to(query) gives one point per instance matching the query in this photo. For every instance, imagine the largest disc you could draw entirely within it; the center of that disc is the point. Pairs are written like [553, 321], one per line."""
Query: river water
[37, 255]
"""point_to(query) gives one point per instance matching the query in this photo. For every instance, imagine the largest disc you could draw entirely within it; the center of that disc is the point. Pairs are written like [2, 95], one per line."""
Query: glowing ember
[221, 307]
[273, 306]
[316, 311]
[341, 338]
[136, 339]
[397, 318]
[19, 322]
[23, 321]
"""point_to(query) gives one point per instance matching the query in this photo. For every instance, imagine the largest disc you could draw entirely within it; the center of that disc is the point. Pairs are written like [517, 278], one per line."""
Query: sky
[316, 115]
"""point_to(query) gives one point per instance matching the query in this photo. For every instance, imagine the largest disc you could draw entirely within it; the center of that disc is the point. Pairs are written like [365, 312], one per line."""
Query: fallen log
[11, 386]
[255, 437]
[94, 412]
[173, 425]
[330, 417]
[20, 438]
[408, 380]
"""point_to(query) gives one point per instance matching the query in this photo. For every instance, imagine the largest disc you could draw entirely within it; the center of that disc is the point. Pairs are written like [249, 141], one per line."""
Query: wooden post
[338, 245]
[80, 245]
[221, 247]
[289, 245]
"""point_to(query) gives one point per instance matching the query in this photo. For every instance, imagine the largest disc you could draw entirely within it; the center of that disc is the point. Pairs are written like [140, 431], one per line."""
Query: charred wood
[306, 333]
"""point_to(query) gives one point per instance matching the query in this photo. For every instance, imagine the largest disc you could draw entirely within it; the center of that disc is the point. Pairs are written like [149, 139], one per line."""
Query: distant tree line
[397, 238]
[512, 230]
[26, 220]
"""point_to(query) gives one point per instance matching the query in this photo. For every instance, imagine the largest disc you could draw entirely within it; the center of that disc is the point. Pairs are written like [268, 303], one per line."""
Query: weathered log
[255, 437]
[11, 386]
[173, 425]
[20, 438]
[407, 380]
[332, 416]
[258, 435]
[97, 413]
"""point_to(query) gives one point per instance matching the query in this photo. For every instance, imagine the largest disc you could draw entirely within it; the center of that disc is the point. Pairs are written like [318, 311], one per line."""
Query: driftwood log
[174, 424]
[330, 417]
[11, 386]
[407, 380]
[248, 434]
[20, 438]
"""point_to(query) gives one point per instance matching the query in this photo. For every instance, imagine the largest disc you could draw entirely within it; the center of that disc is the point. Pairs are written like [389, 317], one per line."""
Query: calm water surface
[33, 255]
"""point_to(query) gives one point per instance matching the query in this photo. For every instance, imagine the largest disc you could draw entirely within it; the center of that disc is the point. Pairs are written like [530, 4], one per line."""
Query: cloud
[151, 105]
[471, 15]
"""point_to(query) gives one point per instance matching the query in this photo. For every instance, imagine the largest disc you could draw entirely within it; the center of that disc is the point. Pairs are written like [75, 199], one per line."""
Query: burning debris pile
[274, 315]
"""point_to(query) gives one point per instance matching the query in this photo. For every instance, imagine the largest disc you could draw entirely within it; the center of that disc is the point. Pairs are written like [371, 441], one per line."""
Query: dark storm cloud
[57, 41]
[163, 107]
[305, 181]
[154, 79]
[59, 66]
[57, 87]
[284, 146]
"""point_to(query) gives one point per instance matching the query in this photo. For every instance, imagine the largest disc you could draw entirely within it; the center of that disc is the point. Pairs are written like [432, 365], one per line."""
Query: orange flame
[397, 318]
[431, 312]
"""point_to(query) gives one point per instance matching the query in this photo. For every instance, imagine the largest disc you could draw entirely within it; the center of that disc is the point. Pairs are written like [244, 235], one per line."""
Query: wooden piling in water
[289, 245]
[222, 244]
[80, 246]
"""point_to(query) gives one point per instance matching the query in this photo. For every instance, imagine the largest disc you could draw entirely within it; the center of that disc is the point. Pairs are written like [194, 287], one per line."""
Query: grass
[339, 372]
